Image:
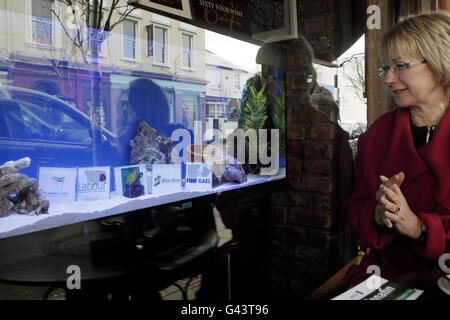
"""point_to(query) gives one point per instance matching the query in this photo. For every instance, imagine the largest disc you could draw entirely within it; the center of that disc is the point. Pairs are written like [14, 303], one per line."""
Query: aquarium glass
[97, 122]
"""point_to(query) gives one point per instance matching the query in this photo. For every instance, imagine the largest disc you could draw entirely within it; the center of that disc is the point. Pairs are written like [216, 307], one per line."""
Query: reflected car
[51, 132]
[354, 129]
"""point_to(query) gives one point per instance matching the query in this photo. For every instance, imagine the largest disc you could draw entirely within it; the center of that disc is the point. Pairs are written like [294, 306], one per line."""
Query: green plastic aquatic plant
[255, 109]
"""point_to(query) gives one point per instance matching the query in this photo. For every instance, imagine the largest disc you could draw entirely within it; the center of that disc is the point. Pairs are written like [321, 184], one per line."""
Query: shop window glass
[190, 109]
[237, 81]
[160, 44]
[42, 21]
[187, 50]
[71, 113]
[129, 39]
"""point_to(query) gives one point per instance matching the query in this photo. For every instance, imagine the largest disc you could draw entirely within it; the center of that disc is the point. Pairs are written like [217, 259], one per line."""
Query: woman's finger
[387, 182]
[387, 223]
[388, 205]
[397, 190]
[395, 179]
[384, 201]
[400, 178]
[391, 216]
[379, 193]
[391, 195]
[392, 208]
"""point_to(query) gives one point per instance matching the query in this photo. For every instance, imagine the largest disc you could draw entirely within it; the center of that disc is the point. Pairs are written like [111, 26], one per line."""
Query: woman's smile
[399, 91]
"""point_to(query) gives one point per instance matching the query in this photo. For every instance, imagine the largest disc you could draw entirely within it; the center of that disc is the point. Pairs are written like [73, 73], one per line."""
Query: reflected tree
[354, 72]
[87, 24]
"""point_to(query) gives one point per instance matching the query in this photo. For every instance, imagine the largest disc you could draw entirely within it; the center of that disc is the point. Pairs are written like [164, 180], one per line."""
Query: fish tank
[96, 123]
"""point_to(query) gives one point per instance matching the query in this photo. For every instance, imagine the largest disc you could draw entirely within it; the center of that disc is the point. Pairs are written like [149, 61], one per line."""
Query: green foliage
[241, 110]
[252, 114]
[255, 109]
[257, 105]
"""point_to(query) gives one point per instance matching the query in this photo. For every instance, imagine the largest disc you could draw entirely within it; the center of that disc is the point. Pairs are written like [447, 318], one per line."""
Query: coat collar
[435, 156]
[401, 153]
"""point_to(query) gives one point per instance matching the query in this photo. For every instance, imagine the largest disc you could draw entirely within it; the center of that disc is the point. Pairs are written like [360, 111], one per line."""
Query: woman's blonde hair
[426, 36]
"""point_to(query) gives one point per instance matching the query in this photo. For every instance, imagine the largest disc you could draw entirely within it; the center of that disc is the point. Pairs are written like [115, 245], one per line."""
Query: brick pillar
[308, 215]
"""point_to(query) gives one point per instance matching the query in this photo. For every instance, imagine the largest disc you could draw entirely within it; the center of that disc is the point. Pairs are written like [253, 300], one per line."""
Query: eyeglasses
[383, 70]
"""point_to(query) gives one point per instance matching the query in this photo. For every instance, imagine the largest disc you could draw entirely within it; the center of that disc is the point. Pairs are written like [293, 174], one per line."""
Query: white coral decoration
[18, 192]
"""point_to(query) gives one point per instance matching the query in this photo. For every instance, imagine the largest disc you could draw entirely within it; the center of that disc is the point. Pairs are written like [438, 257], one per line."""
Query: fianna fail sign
[58, 184]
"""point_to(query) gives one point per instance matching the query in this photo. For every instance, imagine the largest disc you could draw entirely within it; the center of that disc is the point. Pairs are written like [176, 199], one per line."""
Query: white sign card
[198, 177]
[131, 181]
[93, 183]
[149, 181]
[166, 178]
[58, 184]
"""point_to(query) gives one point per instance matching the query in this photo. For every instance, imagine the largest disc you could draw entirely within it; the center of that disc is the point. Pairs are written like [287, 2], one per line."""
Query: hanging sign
[172, 8]
[255, 21]
[176, 4]
[229, 14]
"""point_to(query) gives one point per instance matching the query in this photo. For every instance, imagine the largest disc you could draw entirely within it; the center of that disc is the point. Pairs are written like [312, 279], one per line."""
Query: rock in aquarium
[234, 172]
[149, 147]
[18, 192]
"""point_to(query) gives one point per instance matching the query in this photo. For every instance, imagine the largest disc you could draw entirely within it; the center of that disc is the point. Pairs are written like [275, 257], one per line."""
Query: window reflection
[161, 45]
[64, 104]
[129, 39]
[187, 50]
[77, 107]
[42, 21]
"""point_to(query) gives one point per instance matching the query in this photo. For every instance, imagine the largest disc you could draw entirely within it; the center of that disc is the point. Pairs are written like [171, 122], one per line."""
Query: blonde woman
[400, 209]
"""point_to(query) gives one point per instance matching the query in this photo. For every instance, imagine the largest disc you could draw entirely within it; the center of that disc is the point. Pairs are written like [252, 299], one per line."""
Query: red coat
[387, 148]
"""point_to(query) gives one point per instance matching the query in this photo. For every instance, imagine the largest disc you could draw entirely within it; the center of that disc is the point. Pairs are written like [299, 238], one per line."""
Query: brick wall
[308, 240]
[294, 243]
[290, 236]
[331, 26]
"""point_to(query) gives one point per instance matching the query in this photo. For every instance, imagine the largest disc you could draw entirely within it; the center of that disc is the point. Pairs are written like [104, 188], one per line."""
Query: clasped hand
[392, 209]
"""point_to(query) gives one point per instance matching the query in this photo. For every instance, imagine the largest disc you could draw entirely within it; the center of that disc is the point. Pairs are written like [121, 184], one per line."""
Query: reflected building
[225, 83]
[36, 53]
